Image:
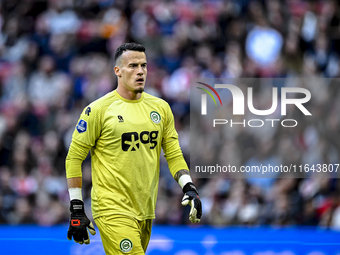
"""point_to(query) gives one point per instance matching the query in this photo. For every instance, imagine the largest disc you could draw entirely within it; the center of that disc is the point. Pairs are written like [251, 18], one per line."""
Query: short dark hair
[128, 46]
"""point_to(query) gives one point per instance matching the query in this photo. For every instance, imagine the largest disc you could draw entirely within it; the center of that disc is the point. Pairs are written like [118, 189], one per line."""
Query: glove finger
[192, 209]
[196, 212]
[91, 229]
[84, 236]
[193, 213]
[78, 237]
[185, 200]
[193, 218]
[69, 234]
[87, 238]
[199, 208]
[80, 242]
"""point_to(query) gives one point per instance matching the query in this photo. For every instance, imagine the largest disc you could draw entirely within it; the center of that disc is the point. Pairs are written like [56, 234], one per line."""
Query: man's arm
[84, 137]
[79, 223]
[75, 157]
[175, 159]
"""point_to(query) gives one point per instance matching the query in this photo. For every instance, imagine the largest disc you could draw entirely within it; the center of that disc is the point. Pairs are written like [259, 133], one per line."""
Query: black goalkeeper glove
[78, 223]
[191, 197]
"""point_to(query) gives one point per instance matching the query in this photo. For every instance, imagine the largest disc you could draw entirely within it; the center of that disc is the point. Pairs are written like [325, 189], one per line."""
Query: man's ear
[117, 71]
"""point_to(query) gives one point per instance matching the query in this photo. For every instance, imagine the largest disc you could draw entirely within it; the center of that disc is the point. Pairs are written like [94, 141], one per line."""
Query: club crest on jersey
[155, 117]
[82, 126]
[125, 245]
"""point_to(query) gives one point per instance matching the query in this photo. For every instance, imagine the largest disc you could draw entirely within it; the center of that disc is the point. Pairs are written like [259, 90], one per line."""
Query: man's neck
[127, 94]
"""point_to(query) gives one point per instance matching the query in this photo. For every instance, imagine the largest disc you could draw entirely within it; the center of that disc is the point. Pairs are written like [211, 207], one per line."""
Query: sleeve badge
[82, 126]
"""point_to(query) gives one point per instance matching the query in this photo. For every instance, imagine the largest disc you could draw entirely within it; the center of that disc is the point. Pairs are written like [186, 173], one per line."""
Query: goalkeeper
[125, 131]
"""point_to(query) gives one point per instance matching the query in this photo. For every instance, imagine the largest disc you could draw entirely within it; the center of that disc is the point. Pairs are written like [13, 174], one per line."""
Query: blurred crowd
[56, 57]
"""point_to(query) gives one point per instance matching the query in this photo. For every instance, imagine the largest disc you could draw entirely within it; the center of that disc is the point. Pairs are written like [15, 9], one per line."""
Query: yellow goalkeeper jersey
[125, 138]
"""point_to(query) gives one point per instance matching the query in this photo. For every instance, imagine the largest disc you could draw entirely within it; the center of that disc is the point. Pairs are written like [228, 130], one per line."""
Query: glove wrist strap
[77, 206]
[189, 187]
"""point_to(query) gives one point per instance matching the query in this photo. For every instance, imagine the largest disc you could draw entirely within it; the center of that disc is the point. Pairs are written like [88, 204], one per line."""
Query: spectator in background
[14, 87]
[14, 42]
[45, 85]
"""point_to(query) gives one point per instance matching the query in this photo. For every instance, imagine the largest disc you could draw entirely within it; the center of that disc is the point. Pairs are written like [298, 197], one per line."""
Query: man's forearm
[74, 188]
[75, 182]
[76, 155]
[181, 173]
[183, 177]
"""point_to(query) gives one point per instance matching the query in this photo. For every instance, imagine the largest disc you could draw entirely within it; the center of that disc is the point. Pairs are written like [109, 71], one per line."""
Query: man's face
[131, 69]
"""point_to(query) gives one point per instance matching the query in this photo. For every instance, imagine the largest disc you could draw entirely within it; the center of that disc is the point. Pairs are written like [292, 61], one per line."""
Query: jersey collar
[127, 100]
